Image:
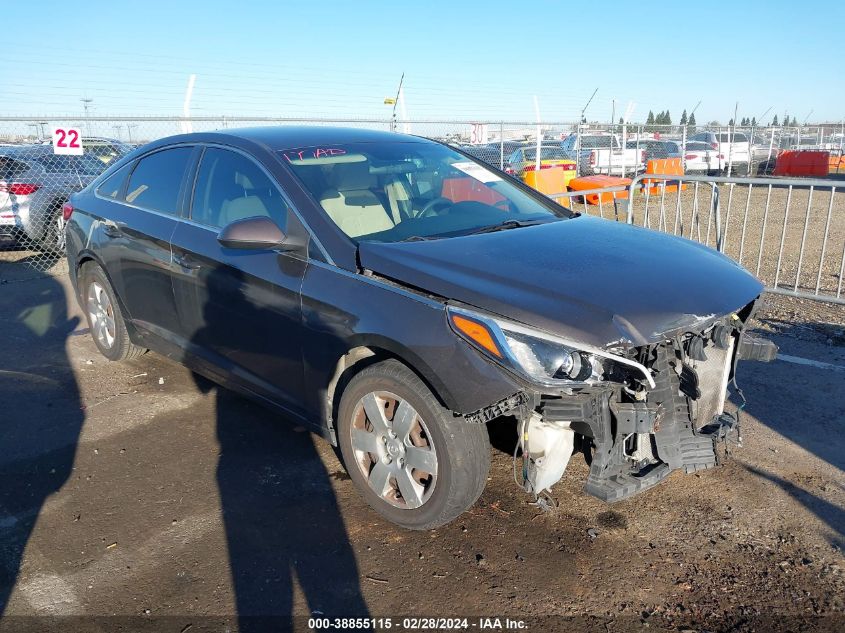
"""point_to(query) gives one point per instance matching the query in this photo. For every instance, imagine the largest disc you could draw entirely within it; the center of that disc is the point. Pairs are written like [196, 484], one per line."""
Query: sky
[461, 61]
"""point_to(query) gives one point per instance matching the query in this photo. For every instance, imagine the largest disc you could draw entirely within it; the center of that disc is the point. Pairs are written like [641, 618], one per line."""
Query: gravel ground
[138, 491]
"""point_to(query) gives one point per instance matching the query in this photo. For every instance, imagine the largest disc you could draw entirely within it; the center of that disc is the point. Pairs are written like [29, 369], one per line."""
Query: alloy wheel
[101, 315]
[394, 450]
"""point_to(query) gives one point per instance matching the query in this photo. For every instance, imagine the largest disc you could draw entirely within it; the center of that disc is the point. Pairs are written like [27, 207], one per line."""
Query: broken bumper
[632, 445]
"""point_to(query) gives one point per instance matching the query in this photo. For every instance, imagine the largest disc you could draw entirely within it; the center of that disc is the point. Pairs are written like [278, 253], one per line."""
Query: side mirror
[259, 232]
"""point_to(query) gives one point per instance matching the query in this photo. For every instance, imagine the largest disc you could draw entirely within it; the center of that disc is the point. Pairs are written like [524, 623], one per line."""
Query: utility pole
[695, 108]
[42, 124]
[587, 105]
[34, 126]
[129, 127]
[396, 101]
[86, 103]
[117, 129]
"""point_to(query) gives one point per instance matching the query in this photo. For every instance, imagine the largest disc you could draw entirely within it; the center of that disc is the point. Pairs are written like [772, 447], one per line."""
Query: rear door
[239, 310]
[136, 238]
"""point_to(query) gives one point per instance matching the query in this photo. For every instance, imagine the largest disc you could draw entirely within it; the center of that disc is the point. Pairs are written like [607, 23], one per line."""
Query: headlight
[543, 360]
[541, 357]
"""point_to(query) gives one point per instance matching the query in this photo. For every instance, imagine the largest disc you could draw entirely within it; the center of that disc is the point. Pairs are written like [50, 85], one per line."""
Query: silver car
[34, 184]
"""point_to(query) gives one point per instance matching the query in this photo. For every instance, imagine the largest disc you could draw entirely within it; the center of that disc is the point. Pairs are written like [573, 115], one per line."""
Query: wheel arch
[368, 350]
[87, 256]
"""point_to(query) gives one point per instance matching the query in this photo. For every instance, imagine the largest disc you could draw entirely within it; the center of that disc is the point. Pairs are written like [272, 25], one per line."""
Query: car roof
[290, 136]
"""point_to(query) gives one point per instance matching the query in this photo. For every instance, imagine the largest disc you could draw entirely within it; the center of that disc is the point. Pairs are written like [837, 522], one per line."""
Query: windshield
[390, 192]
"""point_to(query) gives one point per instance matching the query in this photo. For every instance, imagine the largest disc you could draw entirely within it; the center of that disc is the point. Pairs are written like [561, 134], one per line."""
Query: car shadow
[803, 403]
[41, 413]
[282, 521]
[832, 515]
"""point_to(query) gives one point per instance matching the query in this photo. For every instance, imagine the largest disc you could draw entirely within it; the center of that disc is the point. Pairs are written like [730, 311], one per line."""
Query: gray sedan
[34, 184]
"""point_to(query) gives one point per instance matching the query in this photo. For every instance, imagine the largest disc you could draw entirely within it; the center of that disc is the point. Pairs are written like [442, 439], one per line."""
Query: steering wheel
[429, 209]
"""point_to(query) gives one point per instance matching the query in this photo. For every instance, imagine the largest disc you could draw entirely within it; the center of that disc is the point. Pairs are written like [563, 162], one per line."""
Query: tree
[731, 123]
[683, 117]
[691, 123]
[787, 122]
[649, 122]
[754, 121]
[667, 118]
[621, 121]
[775, 121]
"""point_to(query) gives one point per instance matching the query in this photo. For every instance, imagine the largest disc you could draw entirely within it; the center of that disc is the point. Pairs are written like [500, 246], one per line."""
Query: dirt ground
[136, 497]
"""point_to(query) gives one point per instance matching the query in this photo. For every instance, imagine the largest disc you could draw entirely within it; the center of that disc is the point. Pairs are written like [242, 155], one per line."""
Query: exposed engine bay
[635, 429]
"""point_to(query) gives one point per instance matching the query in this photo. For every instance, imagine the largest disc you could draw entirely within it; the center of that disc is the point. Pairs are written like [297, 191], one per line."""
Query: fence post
[684, 147]
[578, 149]
[624, 147]
[501, 145]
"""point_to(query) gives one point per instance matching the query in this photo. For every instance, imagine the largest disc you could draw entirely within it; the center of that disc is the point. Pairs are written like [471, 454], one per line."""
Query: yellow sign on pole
[389, 101]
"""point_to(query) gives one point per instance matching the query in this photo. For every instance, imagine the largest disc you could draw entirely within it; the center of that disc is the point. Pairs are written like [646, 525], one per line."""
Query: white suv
[735, 147]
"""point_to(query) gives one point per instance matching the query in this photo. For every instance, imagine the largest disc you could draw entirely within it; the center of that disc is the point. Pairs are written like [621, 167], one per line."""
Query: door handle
[186, 262]
[111, 229]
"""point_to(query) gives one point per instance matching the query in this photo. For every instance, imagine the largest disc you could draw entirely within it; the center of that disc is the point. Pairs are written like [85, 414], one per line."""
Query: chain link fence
[35, 182]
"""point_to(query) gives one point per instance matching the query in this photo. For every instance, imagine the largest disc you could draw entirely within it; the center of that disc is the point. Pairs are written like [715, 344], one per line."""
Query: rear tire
[391, 461]
[53, 240]
[105, 318]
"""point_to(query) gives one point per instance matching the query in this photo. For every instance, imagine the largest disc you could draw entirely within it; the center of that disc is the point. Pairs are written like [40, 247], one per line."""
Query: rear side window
[11, 168]
[732, 138]
[155, 182]
[111, 186]
[231, 187]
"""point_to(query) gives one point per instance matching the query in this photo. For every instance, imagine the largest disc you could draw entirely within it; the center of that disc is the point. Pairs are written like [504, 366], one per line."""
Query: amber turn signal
[477, 333]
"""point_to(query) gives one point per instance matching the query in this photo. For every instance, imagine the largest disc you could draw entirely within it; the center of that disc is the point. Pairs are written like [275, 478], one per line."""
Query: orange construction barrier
[585, 183]
[551, 179]
[836, 165]
[668, 166]
[802, 163]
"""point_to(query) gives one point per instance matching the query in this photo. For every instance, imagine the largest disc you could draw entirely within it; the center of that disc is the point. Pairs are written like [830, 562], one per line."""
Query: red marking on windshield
[319, 152]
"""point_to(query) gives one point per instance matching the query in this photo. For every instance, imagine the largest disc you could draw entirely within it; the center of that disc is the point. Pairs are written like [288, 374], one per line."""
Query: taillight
[714, 145]
[510, 171]
[592, 158]
[19, 188]
[721, 157]
[690, 157]
[569, 166]
[67, 211]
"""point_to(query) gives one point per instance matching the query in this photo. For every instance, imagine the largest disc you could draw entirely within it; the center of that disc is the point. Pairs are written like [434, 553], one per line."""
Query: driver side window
[231, 187]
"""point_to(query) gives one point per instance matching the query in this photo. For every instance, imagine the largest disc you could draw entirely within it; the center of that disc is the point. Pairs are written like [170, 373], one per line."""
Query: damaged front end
[636, 412]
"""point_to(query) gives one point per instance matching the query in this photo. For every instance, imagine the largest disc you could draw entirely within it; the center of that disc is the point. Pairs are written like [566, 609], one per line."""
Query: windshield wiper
[504, 226]
[418, 238]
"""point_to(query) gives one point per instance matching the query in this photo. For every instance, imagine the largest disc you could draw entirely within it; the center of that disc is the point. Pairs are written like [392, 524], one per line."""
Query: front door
[239, 309]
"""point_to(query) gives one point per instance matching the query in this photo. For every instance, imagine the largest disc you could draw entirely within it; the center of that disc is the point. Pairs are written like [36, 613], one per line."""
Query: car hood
[590, 280]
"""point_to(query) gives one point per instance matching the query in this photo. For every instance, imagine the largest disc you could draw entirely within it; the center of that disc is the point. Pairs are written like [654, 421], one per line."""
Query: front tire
[105, 318]
[413, 460]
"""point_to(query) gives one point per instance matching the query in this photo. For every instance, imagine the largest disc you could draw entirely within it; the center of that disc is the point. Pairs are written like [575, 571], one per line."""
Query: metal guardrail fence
[789, 232]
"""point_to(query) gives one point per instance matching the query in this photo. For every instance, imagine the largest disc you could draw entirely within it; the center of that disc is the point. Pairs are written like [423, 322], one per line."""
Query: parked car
[395, 295]
[702, 158]
[655, 149]
[106, 150]
[734, 146]
[524, 160]
[34, 184]
[492, 153]
[603, 154]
